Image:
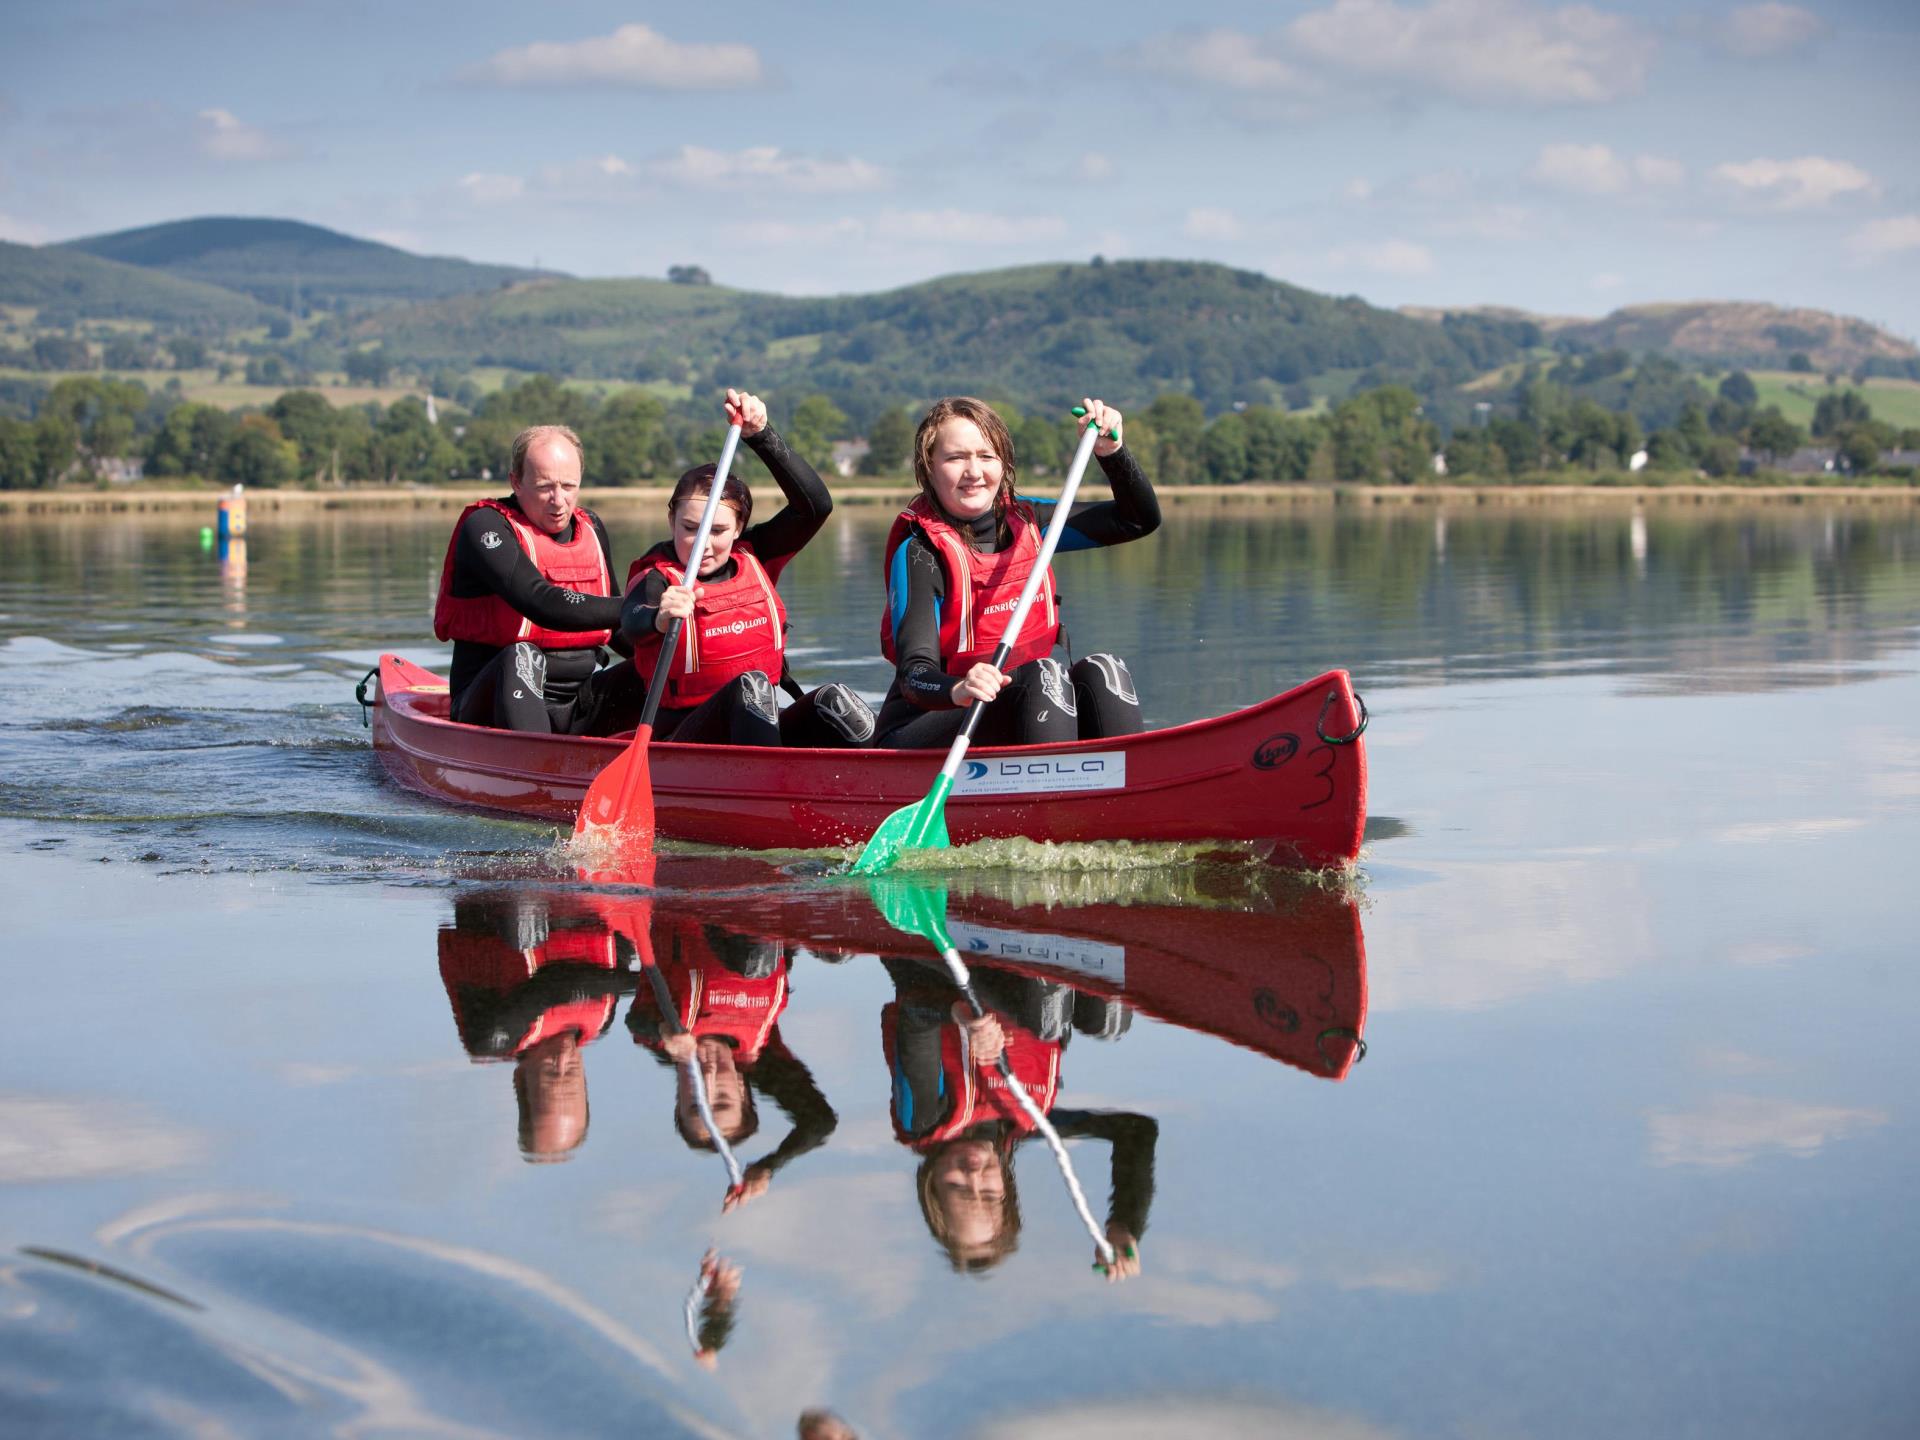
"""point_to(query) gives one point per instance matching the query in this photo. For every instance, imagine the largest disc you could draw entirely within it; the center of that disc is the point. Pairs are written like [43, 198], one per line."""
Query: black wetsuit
[1044, 701]
[521, 686]
[744, 711]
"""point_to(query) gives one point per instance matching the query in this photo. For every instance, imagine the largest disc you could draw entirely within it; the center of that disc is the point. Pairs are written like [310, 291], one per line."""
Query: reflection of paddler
[953, 1105]
[532, 979]
[728, 991]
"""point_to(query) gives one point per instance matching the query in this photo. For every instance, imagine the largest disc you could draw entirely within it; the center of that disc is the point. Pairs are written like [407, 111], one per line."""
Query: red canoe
[1282, 776]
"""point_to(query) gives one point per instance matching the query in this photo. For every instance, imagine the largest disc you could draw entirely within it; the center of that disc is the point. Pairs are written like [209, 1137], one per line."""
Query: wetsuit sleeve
[808, 504]
[504, 569]
[916, 626]
[785, 1079]
[640, 611]
[1132, 514]
[1133, 1138]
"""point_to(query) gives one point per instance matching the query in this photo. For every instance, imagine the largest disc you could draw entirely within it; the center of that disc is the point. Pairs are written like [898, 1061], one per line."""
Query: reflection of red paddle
[619, 802]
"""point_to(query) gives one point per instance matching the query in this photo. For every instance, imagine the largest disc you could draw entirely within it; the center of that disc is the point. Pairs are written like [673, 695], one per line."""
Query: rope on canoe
[1320, 725]
[360, 694]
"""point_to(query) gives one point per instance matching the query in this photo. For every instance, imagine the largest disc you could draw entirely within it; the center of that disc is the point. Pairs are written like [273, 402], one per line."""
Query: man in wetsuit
[527, 596]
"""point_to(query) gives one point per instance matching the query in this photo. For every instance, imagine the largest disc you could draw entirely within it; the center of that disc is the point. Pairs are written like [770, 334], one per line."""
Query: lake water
[1630, 1148]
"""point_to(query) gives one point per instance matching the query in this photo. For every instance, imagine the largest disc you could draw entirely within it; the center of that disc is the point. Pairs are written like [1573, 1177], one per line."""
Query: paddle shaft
[663, 997]
[957, 969]
[1048, 544]
[664, 665]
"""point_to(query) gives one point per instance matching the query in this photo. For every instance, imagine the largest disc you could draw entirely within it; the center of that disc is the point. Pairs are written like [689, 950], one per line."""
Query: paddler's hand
[1108, 419]
[676, 603]
[747, 411]
[1126, 1255]
[679, 1047]
[753, 1184]
[985, 1039]
[983, 682]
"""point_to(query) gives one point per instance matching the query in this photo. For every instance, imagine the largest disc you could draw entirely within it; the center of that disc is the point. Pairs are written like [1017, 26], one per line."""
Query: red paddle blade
[620, 799]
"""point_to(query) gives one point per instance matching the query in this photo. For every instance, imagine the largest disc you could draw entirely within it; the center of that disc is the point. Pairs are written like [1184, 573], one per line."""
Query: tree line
[90, 427]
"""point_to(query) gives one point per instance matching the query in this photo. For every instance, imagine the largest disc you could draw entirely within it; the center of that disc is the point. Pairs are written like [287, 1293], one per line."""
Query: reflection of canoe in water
[1263, 775]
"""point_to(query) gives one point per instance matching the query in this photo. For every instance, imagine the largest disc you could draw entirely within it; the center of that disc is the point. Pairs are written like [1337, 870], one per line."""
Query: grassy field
[1895, 401]
[205, 387]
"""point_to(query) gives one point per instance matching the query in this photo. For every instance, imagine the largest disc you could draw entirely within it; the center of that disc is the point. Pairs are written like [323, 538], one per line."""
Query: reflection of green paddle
[922, 910]
[923, 826]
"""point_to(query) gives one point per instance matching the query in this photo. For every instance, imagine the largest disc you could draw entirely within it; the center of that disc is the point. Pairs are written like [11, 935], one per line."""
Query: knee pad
[849, 715]
[756, 693]
[530, 666]
[1110, 672]
[1056, 686]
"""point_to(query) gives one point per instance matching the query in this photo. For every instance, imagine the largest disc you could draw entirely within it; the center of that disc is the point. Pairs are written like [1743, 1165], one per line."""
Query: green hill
[72, 285]
[1126, 328]
[294, 265]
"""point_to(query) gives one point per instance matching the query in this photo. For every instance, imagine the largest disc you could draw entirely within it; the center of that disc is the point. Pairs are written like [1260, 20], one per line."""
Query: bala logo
[1074, 770]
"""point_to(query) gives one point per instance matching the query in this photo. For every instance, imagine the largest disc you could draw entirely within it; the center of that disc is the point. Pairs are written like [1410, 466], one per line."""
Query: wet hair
[534, 435]
[1006, 1239]
[699, 481]
[963, 407]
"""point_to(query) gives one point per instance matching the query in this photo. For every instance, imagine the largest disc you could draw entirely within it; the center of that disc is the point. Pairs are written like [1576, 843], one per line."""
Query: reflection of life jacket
[738, 625]
[579, 565]
[506, 1000]
[982, 590]
[713, 998]
[978, 1093]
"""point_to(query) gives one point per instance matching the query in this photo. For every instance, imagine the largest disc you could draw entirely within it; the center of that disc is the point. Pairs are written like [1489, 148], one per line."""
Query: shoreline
[141, 501]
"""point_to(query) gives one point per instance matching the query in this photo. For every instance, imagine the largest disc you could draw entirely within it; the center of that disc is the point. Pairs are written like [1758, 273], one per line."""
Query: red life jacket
[496, 991]
[980, 1093]
[738, 625]
[982, 590]
[580, 565]
[711, 999]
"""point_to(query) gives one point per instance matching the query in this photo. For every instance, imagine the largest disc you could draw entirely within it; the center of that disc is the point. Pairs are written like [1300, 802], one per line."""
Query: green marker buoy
[206, 537]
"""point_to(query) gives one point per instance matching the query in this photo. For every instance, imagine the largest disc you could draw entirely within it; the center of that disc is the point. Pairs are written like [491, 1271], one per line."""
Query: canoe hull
[1261, 776]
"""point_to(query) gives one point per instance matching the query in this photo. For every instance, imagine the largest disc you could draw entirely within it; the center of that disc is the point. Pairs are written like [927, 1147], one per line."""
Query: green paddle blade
[921, 826]
[915, 908]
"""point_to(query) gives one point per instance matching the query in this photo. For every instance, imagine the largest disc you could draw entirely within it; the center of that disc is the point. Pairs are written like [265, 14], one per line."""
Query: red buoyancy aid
[580, 565]
[982, 590]
[711, 999]
[482, 973]
[738, 625]
[980, 1093]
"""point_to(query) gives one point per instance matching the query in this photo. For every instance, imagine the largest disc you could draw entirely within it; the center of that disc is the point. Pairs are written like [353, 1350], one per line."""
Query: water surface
[1627, 1150]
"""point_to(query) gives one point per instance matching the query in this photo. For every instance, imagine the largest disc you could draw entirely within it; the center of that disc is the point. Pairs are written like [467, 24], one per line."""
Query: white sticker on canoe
[1056, 952]
[1082, 770]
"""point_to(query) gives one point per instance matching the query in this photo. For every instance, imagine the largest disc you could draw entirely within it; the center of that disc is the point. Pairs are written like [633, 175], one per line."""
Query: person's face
[971, 1190]
[966, 470]
[548, 486]
[556, 1090]
[686, 525]
[726, 1090]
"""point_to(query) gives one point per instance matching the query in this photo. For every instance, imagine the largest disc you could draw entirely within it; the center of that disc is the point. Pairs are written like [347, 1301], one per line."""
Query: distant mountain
[293, 265]
[1708, 332]
[67, 285]
[1124, 328]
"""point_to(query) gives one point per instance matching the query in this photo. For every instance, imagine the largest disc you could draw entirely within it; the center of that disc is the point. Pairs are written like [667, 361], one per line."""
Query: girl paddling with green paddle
[957, 560]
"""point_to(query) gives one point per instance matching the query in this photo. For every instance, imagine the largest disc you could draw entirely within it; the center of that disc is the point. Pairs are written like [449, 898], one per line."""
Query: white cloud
[1211, 224]
[1803, 184]
[22, 232]
[1734, 1130]
[488, 189]
[1094, 165]
[222, 135]
[1598, 170]
[1384, 257]
[1359, 190]
[1607, 280]
[766, 167]
[44, 1139]
[1477, 51]
[633, 57]
[979, 228]
[1766, 32]
[1878, 239]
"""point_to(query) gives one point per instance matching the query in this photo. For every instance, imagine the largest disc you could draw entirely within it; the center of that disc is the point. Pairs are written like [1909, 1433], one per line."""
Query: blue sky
[1563, 158]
